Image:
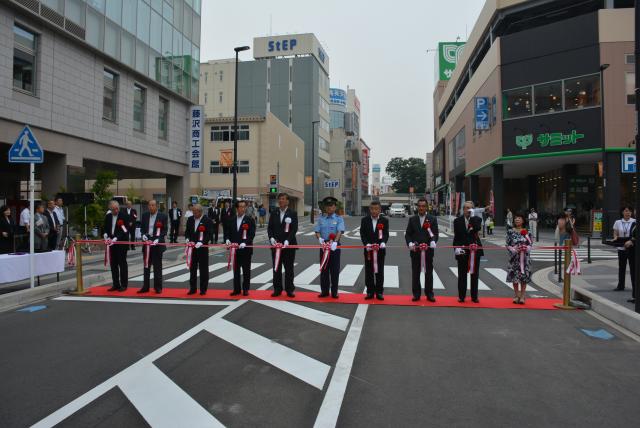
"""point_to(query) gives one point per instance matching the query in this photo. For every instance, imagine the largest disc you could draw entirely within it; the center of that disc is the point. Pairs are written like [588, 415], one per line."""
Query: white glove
[411, 246]
[155, 241]
[105, 236]
[334, 246]
[228, 242]
[321, 241]
[286, 243]
[368, 247]
[383, 245]
[459, 251]
[273, 241]
[432, 244]
[144, 238]
[114, 239]
[198, 244]
[471, 212]
[241, 246]
[186, 241]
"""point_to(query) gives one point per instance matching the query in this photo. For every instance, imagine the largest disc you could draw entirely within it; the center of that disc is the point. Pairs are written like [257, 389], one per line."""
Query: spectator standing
[533, 222]
[622, 235]
[509, 219]
[59, 210]
[41, 229]
[7, 228]
[262, 215]
[54, 225]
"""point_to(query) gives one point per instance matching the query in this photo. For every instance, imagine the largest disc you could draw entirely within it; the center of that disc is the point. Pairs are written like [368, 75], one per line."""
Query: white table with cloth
[15, 267]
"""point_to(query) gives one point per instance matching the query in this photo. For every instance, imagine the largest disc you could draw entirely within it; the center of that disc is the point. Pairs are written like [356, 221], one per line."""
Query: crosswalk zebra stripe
[437, 282]
[309, 234]
[349, 275]
[308, 275]
[266, 276]
[165, 271]
[501, 275]
[308, 313]
[185, 276]
[228, 275]
[391, 278]
[481, 285]
[316, 288]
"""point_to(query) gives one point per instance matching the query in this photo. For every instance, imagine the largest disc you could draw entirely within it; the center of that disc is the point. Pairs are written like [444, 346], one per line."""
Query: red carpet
[307, 296]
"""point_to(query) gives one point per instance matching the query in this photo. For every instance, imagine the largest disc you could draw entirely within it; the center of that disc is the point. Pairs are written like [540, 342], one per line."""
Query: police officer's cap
[329, 200]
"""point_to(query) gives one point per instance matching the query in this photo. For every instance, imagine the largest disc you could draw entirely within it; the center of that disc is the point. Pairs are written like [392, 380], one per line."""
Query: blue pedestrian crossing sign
[26, 148]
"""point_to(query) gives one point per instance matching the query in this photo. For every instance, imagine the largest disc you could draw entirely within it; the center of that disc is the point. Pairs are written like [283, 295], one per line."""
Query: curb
[612, 311]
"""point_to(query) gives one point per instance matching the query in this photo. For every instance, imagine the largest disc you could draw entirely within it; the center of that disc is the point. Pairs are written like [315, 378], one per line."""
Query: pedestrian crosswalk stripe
[308, 275]
[391, 278]
[316, 288]
[393, 233]
[309, 234]
[185, 276]
[266, 276]
[349, 275]
[437, 282]
[481, 285]
[165, 271]
[308, 313]
[228, 276]
[501, 275]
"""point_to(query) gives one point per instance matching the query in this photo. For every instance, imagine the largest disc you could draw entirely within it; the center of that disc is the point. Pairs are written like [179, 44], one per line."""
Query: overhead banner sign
[448, 55]
[196, 118]
[290, 45]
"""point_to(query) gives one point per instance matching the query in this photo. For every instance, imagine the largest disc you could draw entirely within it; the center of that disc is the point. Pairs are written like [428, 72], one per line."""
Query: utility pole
[637, 92]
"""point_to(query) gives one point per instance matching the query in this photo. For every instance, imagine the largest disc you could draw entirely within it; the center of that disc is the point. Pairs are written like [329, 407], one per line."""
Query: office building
[375, 180]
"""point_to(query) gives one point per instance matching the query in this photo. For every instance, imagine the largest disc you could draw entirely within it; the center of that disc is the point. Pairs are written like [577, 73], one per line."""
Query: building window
[163, 118]
[630, 84]
[323, 145]
[547, 97]
[324, 125]
[220, 97]
[221, 74]
[517, 102]
[582, 92]
[139, 101]
[24, 60]
[110, 96]
[629, 59]
[224, 133]
[216, 168]
[206, 77]
[205, 97]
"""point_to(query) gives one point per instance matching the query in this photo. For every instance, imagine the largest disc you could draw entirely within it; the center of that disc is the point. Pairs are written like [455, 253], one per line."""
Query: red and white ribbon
[71, 255]
[201, 236]
[374, 250]
[287, 222]
[276, 263]
[244, 234]
[522, 250]
[231, 261]
[188, 253]
[423, 257]
[574, 264]
[326, 253]
[473, 249]
[147, 253]
[380, 235]
[107, 251]
[124, 229]
[157, 232]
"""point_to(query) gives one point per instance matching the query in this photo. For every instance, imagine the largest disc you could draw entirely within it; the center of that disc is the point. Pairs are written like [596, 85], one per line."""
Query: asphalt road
[97, 362]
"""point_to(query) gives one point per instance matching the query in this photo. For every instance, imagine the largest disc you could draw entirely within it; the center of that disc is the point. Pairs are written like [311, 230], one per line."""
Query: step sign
[331, 184]
[26, 148]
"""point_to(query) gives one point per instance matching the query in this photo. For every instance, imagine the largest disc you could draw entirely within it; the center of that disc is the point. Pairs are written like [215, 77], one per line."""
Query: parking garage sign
[196, 118]
[628, 163]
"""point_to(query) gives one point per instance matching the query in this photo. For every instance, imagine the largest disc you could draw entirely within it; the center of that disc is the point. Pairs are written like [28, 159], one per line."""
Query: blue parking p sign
[628, 163]
[482, 116]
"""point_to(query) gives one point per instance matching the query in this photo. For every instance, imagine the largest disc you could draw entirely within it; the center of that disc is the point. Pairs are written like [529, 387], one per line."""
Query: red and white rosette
[287, 224]
[158, 228]
[427, 226]
[380, 228]
[276, 263]
[525, 234]
[423, 256]
[188, 253]
[147, 253]
[71, 255]
[473, 250]
[201, 229]
[326, 253]
[231, 260]
[245, 227]
[120, 224]
[574, 264]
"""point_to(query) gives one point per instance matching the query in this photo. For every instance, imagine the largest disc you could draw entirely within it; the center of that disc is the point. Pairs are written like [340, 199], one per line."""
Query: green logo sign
[449, 53]
[549, 139]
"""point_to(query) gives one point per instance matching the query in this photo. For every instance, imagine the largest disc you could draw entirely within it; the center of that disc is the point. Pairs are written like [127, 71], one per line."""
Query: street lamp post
[313, 170]
[235, 129]
[637, 192]
[605, 216]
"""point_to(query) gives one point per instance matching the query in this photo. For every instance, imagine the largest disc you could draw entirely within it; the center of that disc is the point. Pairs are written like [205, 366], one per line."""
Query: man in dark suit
[241, 229]
[214, 215]
[225, 216]
[374, 230]
[133, 219]
[54, 225]
[115, 229]
[198, 231]
[175, 215]
[282, 229]
[422, 229]
[466, 231]
[154, 229]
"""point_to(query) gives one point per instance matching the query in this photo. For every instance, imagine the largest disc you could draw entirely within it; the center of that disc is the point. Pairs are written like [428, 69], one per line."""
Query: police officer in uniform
[329, 224]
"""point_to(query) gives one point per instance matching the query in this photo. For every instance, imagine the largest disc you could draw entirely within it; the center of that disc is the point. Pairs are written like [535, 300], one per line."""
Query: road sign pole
[32, 174]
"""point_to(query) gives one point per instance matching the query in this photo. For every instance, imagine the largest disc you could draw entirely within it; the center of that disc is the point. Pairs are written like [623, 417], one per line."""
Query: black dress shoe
[245, 293]
[142, 290]
[234, 293]
[158, 291]
[460, 300]
[276, 293]
[415, 299]
[114, 289]
[291, 294]
[379, 297]
[323, 295]
[432, 299]
[618, 289]
[122, 289]
[368, 296]
[334, 295]
[202, 293]
[191, 292]
[475, 300]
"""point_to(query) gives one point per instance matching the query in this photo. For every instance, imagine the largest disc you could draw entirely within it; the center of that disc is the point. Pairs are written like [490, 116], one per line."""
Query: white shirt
[239, 222]
[114, 220]
[60, 213]
[422, 219]
[622, 228]
[25, 216]
[152, 223]
[282, 213]
[533, 216]
[374, 221]
[175, 213]
[188, 214]
[196, 223]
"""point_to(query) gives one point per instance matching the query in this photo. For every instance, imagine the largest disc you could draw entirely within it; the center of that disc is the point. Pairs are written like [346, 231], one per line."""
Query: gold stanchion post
[566, 289]
[79, 281]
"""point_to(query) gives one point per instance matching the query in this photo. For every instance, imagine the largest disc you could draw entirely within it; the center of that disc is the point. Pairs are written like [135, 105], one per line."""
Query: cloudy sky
[378, 48]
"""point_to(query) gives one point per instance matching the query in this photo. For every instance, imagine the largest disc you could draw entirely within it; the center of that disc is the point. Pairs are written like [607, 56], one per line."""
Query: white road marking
[393, 234]
[316, 288]
[332, 402]
[308, 275]
[165, 271]
[185, 276]
[144, 301]
[305, 312]
[266, 276]
[349, 275]
[501, 275]
[481, 285]
[391, 278]
[437, 282]
[228, 275]
[286, 359]
[309, 234]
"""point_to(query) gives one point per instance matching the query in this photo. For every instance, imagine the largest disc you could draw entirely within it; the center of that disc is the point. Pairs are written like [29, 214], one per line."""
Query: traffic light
[273, 190]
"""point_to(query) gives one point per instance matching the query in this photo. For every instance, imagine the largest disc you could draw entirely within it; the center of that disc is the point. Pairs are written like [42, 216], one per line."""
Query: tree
[407, 173]
[96, 210]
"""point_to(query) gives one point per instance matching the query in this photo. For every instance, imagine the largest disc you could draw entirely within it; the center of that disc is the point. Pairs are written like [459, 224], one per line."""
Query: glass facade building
[158, 38]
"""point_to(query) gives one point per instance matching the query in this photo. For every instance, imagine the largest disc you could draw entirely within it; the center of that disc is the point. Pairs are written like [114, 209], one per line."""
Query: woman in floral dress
[519, 244]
